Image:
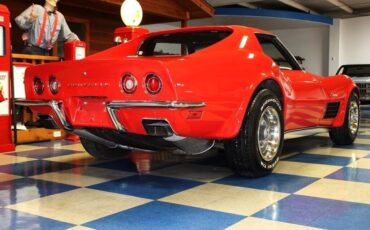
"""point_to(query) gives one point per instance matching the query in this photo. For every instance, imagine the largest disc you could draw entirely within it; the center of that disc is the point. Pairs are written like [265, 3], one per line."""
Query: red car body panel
[224, 76]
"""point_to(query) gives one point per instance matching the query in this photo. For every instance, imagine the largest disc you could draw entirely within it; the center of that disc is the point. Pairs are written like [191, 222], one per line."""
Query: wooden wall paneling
[86, 24]
[103, 16]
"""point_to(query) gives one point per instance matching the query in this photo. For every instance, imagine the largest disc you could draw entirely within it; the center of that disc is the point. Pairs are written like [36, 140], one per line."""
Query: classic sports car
[360, 74]
[183, 90]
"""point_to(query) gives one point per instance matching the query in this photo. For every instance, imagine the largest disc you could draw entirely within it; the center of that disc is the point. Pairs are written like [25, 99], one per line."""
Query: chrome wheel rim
[269, 133]
[353, 117]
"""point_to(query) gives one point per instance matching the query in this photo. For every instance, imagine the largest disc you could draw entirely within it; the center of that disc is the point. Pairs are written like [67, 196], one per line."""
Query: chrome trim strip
[112, 108]
[304, 132]
[113, 116]
[31, 102]
[155, 104]
[53, 104]
[61, 116]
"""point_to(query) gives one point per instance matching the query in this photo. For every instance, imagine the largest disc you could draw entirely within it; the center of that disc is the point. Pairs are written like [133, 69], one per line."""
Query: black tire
[243, 152]
[102, 152]
[343, 135]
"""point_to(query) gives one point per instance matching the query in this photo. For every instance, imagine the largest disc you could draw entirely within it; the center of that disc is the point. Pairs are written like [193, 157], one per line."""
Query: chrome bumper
[112, 108]
[54, 105]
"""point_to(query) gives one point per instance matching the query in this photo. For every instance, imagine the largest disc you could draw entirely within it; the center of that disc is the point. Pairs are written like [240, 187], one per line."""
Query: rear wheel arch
[274, 87]
[242, 151]
[256, 149]
[244, 106]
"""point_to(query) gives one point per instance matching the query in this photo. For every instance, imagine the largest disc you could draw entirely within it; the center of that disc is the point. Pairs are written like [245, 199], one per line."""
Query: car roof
[354, 65]
[234, 28]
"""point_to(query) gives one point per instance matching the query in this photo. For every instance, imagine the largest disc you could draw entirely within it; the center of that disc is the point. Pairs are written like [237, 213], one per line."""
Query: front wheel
[102, 152]
[347, 133]
[256, 149]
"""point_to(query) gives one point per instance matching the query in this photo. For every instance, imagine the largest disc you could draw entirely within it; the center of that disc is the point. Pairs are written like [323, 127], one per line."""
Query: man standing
[43, 26]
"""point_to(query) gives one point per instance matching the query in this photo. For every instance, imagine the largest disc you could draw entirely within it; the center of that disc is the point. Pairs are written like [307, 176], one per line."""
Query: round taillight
[153, 83]
[54, 85]
[38, 85]
[129, 83]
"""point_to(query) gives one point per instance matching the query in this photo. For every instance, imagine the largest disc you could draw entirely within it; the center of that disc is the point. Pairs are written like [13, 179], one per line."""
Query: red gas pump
[125, 34]
[74, 50]
[6, 144]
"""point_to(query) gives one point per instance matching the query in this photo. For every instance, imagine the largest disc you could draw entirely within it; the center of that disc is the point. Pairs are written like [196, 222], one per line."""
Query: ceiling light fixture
[131, 13]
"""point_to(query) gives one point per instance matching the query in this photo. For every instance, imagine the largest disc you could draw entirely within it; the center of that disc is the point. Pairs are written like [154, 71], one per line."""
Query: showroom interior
[251, 114]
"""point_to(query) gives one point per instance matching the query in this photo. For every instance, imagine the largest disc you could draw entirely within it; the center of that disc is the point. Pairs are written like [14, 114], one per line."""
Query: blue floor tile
[320, 159]
[122, 165]
[146, 186]
[14, 220]
[44, 153]
[351, 174]
[318, 212]
[274, 182]
[35, 167]
[162, 216]
[26, 189]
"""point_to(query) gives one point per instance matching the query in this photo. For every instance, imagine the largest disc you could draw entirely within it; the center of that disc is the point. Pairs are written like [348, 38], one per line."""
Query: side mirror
[300, 59]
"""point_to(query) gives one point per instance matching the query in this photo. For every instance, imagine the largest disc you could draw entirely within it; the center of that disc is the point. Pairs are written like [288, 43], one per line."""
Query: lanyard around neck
[42, 30]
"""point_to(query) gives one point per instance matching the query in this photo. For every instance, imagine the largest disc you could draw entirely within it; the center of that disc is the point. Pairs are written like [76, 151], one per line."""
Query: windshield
[357, 71]
[184, 43]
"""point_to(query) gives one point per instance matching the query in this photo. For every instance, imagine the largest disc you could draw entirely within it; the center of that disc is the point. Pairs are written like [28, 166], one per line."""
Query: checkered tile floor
[57, 185]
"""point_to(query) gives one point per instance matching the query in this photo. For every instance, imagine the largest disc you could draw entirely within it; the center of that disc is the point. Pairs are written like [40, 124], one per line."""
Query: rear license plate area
[91, 112]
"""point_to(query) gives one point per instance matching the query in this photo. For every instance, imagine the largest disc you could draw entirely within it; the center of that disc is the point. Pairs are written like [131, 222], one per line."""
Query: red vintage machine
[6, 144]
[125, 34]
[74, 50]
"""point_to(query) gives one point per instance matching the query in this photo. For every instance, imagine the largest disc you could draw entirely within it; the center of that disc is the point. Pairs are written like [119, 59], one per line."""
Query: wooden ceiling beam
[165, 8]
[218, 3]
[204, 6]
[298, 5]
[341, 5]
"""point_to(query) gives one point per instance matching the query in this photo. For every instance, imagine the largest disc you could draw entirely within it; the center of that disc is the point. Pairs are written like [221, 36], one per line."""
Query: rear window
[357, 71]
[180, 43]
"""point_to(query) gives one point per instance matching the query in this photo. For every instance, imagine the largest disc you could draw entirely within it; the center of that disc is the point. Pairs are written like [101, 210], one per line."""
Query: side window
[2, 41]
[274, 49]
[167, 49]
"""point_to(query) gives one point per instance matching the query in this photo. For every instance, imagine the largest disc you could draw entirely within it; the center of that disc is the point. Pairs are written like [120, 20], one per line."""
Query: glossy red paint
[224, 76]
[6, 144]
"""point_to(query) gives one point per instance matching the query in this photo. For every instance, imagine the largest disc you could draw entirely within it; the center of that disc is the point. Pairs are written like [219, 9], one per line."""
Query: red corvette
[183, 90]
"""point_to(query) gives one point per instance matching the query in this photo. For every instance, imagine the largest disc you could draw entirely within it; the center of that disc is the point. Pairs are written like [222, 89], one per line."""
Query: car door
[306, 99]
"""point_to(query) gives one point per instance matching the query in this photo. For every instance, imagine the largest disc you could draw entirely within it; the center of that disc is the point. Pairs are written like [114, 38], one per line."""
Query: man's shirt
[33, 28]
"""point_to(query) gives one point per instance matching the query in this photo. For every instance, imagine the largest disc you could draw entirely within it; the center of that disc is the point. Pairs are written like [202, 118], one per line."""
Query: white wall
[164, 26]
[355, 41]
[334, 47]
[309, 43]
[351, 39]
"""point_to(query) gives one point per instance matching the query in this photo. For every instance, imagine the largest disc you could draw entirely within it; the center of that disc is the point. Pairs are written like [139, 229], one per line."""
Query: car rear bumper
[112, 108]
